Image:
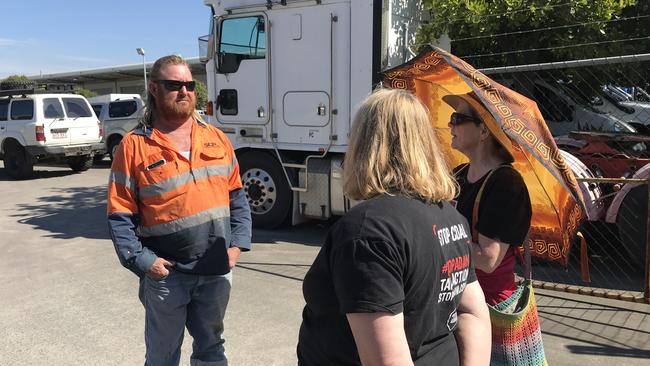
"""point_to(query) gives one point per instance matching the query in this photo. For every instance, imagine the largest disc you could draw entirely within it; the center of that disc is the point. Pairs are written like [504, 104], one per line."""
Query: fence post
[647, 246]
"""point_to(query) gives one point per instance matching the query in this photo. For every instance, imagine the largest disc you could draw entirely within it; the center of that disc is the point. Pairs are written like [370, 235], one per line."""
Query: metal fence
[599, 112]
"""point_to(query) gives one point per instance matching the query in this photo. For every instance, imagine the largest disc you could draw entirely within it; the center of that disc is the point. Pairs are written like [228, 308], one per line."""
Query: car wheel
[266, 188]
[112, 146]
[633, 225]
[18, 162]
[80, 163]
[98, 158]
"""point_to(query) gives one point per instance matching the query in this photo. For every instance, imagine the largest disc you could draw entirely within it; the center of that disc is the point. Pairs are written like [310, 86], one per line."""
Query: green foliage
[85, 92]
[201, 92]
[493, 33]
[16, 78]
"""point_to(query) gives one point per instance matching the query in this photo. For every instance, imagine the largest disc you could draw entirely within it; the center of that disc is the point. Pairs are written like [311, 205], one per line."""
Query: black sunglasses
[176, 85]
[457, 119]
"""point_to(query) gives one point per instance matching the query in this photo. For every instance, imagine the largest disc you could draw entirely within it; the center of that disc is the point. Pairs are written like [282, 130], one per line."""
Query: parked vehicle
[618, 102]
[285, 96]
[40, 128]
[623, 206]
[564, 110]
[119, 114]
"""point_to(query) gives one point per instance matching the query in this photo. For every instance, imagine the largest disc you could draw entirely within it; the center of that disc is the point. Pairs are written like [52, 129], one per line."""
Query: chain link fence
[598, 110]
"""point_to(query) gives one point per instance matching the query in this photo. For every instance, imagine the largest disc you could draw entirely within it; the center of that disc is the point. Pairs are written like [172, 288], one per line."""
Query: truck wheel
[112, 146]
[18, 163]
[633, 224]
[80, 163]
[267, 189]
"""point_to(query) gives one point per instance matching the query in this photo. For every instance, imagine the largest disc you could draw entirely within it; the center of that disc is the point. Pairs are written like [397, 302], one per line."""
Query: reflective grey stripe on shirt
[167, 228]
[123, 179]
[184, 178]
[233, 163]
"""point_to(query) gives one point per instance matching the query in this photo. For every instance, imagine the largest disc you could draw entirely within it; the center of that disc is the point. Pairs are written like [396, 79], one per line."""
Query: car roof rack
[16, 92]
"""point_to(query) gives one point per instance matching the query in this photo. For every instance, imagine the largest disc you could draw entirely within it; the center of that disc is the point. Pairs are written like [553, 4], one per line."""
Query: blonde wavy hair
[393, 149]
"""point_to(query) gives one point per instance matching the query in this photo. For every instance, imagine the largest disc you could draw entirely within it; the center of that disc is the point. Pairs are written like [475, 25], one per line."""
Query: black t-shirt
[504, 211]
[389, 254]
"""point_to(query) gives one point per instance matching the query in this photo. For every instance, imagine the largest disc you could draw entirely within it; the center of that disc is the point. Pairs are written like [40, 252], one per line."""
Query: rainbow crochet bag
[516, 332]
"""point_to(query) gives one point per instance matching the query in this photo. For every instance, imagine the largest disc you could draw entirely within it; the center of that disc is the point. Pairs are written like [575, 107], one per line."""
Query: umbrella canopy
[518, 125]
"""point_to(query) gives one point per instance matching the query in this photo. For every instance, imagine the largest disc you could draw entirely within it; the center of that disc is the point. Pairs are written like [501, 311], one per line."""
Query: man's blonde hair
[393, 149]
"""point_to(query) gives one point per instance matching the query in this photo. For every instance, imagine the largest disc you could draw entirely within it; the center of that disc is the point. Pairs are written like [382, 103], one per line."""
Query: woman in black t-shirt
[504, 210]
[394, 282]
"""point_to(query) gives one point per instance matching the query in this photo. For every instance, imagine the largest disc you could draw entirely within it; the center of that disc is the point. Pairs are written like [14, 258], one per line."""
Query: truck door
[242, 81]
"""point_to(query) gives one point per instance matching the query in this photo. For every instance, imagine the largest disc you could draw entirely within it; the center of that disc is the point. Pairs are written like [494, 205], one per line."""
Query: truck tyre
[80, 163]
[17, 84]
[632, 224]
[18, 162]
[266, 188]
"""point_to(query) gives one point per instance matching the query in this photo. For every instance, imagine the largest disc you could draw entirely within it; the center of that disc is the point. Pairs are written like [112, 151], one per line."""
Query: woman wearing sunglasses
[502, 217]
[394, 283]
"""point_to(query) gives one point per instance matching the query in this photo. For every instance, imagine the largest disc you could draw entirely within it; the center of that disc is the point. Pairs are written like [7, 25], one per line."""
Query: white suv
[119, 114]
[36, 128]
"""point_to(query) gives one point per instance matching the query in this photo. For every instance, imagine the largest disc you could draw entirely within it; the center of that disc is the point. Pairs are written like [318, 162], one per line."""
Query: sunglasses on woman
[457, 119]
[176, 85]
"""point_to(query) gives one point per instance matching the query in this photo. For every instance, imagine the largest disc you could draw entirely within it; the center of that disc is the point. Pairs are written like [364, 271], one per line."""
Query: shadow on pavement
[38, 174]
[597, 326]
[68, 213]
[305, 234]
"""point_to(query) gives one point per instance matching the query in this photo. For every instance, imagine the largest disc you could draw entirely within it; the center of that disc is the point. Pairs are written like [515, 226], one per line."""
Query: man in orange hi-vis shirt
[179, 218]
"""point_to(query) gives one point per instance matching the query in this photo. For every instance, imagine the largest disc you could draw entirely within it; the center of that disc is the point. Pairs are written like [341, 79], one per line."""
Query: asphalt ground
[65, 299]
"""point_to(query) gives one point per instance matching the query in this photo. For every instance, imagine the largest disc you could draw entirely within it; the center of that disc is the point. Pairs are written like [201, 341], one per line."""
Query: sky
[52, 36]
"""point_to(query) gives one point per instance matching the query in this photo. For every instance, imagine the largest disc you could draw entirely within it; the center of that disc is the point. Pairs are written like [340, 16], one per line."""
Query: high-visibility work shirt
[161, 204]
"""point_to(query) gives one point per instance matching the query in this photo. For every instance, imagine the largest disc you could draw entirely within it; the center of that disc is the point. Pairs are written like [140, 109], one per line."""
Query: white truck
[284, 80]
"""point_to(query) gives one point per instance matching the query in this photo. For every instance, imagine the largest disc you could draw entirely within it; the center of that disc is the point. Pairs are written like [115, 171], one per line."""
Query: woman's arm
[380, 338]
[473, 335]
[488, 253]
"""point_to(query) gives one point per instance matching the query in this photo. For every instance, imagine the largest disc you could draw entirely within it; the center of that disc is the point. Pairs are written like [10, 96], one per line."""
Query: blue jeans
[185, 300]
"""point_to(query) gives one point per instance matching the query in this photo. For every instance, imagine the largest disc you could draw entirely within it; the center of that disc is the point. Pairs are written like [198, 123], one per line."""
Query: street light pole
[144, 70]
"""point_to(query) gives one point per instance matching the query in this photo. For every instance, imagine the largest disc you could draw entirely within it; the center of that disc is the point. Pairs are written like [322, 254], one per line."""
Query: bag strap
[528, 272]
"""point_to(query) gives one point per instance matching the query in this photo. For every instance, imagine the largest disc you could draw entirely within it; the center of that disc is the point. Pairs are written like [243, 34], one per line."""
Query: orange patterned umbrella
[516, 121]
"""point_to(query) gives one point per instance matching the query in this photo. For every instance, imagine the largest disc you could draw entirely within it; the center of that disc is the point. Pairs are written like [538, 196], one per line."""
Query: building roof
[111, 73]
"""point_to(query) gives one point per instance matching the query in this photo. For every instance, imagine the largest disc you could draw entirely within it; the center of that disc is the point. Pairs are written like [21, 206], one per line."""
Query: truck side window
[122, 108]
[245, 37]
[22, 109]
[4, 108]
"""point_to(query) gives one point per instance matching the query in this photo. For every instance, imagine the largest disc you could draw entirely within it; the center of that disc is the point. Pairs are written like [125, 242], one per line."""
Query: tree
[16, 78]
[85, 92]
[201, 92]
[508, 32]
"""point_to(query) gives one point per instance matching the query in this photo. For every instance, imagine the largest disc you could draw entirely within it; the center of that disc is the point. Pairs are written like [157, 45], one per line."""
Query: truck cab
[284, 79]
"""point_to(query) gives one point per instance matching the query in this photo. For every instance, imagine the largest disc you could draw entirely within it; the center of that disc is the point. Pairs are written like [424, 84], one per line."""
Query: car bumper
[68, 150]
